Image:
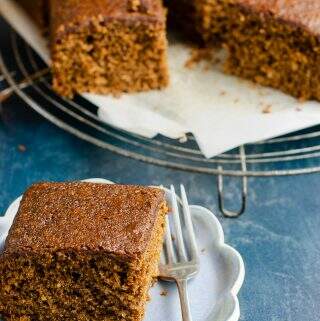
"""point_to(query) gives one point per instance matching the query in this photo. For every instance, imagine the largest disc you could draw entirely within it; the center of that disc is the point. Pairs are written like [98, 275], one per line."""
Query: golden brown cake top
[303, 13]
[118, 219]
[69, 14]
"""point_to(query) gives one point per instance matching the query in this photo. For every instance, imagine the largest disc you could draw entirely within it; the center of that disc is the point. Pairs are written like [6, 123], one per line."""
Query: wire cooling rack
[24, 74]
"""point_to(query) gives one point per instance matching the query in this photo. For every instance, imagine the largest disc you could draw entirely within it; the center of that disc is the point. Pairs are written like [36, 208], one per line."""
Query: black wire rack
[23, 73]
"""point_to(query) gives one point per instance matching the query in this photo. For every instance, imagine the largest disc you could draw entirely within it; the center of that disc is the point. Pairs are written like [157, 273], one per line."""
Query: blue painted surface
[278, 236]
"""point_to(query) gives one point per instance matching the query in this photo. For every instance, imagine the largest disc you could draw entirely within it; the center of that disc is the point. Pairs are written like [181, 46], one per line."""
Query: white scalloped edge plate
[213, 293]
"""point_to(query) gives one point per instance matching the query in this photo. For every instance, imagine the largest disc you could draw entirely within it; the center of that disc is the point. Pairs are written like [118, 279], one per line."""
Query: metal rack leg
[224, 211]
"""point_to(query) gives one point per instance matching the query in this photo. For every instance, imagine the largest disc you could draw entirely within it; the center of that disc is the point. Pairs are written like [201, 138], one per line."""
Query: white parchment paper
[221, 111]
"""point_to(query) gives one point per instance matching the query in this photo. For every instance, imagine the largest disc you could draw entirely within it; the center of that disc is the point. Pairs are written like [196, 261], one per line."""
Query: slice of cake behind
[108, 46]
[82, 251]
[275, 43]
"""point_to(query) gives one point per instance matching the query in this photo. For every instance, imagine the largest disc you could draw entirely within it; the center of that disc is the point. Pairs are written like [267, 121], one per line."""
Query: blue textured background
[278, 236]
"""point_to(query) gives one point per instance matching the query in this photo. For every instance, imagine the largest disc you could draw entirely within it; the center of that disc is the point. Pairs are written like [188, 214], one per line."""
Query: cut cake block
[82, 251]
[115, 46]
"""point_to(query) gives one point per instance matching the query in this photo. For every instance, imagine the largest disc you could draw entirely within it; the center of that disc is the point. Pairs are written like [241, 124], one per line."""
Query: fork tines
[182, 239]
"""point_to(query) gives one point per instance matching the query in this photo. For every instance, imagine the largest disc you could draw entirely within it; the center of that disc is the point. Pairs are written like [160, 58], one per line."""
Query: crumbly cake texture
[272, 42]
[82, 251]
[108, 47]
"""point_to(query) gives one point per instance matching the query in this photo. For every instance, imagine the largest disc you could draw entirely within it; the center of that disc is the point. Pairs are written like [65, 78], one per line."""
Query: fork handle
[184, 300]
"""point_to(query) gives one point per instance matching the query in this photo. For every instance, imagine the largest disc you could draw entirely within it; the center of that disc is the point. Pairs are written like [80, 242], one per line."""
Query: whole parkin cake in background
[82, 251]
[38, 10]
[272, 42]
[104, 47]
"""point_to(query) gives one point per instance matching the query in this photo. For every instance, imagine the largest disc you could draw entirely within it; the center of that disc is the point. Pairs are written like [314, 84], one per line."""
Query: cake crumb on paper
[267, 109]
[117, 95]
[302, 99]
[164, 293]
[198, 55]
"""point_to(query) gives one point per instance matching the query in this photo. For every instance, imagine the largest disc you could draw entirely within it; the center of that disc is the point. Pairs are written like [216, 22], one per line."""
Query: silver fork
[180, 255]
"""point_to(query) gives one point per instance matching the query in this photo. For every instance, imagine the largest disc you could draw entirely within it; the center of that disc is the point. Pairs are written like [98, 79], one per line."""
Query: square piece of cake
[82, 251]
[108, 47]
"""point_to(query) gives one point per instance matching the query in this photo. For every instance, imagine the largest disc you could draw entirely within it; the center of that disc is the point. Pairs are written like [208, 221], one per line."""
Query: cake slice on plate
[82, 251]
[110, 46]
